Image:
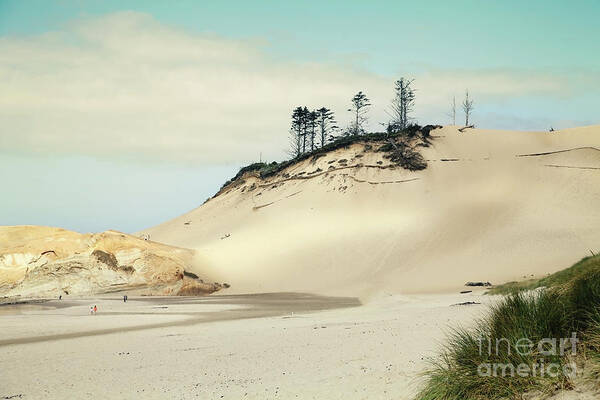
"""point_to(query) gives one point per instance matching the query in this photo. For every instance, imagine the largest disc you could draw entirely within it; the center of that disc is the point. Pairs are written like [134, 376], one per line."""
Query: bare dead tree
[360, 105]
[467, 107]
[452, 113]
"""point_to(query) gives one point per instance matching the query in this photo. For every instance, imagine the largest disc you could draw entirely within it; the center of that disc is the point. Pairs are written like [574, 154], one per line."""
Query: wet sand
[234, 307]
[267, 346]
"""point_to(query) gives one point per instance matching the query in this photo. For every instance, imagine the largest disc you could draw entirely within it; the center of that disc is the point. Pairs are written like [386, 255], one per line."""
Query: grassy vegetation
[570, 302]
[558, 278]
[403, 156]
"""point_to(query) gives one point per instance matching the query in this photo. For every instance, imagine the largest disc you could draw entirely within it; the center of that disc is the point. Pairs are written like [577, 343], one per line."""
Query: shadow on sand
[252, 306]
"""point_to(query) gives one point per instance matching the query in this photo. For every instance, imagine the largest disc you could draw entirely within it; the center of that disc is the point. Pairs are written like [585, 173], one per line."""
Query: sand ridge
[491, 206]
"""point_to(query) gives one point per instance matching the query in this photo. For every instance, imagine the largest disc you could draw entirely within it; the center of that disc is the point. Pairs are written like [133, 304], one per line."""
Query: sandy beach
[279, 345]
[299, 200]
[384, 252]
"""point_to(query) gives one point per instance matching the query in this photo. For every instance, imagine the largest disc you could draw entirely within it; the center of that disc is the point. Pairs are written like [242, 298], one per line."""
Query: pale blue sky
[109, 105]
[381, 34]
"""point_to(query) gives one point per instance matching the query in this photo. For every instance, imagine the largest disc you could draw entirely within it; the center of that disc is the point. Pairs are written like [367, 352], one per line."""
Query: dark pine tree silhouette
[296, 132]
[326, 123]
[312, 127]
[305, 113]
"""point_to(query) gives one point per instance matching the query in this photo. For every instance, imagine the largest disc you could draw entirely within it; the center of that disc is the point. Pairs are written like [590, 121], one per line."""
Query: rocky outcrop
[43, 262]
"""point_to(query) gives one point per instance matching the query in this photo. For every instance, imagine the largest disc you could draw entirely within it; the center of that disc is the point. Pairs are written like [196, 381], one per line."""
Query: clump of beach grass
[586, 264]
[521, 330]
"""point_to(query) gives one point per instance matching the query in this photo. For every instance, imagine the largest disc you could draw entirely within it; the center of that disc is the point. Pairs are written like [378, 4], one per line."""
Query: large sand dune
[492, 205]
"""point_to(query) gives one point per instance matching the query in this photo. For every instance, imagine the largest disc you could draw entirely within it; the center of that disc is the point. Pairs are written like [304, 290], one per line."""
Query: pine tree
[312, 127]
[359, 109]
[296, 131]
[304, 119]
[326, 122]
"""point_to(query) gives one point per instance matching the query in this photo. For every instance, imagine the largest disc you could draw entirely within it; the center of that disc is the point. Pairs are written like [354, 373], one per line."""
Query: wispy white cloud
[124, 85]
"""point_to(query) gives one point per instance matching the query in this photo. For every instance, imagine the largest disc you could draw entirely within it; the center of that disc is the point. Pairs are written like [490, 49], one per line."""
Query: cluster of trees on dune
[313, 129]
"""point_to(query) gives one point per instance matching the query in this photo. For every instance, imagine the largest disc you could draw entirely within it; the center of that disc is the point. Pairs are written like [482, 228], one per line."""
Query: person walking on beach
[91, 310]
[95, 309]
[125, 299]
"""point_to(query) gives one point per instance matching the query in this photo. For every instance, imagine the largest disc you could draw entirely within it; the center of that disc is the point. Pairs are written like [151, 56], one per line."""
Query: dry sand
[294, 346]
[491, 206]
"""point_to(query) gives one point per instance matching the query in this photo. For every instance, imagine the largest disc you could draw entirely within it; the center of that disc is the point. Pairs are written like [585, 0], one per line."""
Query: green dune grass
[523, 330]
[584, 265]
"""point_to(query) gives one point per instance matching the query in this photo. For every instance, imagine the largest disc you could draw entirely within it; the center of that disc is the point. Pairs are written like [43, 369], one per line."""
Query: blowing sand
[491, 206]
[262, 346]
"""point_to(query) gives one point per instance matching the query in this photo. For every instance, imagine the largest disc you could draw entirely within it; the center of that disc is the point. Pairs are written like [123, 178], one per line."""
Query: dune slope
[491, 205]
